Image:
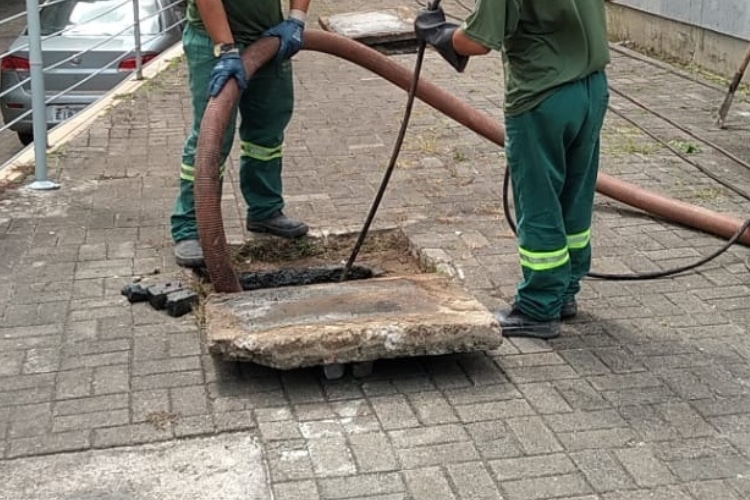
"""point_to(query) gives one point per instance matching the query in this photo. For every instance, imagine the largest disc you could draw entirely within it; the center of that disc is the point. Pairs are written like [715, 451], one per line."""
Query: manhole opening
[267, 262]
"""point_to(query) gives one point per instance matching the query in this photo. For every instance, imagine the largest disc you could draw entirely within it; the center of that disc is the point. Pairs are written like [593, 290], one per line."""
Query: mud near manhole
[267, 262]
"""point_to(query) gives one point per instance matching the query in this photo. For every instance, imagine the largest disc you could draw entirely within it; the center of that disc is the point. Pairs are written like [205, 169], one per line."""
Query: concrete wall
[729, 17]
[674, 29]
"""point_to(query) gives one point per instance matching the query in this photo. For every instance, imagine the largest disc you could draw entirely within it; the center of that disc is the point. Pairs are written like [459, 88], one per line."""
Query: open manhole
[272, 262]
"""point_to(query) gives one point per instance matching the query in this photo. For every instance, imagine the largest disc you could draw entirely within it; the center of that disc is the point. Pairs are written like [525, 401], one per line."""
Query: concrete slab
[349, 322]
[373, 27]
[226, 467]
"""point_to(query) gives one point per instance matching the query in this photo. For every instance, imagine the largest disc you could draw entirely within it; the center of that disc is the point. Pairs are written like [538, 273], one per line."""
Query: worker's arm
[229, 65]
[214, 18]
[291, 31]
[465, 46]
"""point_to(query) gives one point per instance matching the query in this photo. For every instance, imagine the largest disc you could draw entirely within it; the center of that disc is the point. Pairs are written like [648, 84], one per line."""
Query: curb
[69, 130]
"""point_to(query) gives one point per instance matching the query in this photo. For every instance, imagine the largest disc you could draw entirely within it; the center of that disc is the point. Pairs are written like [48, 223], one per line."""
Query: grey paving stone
[602, 470]
[361, 485]
[644, 467]
[428, 484]
[431, 408]
[394, 412]
[551, 487]
[533, 435]
[426, 436]
[373, 452]
[296, 490]
[472, 480]
[331, 456]
[544, 398]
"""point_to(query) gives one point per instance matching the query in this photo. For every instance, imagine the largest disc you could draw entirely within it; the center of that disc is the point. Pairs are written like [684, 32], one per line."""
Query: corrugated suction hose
[216, 117]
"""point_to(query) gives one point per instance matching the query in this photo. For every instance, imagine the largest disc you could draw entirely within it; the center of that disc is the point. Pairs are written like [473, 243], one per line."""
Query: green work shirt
[248, 19]
[545, 43]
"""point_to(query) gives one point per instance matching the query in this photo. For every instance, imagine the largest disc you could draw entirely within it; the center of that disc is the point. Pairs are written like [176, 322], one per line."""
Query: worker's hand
[229, 66]
[431, 28]
[290, 33]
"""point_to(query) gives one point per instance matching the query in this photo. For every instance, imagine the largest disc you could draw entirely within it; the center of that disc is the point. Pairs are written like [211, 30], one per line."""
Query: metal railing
[32, 76]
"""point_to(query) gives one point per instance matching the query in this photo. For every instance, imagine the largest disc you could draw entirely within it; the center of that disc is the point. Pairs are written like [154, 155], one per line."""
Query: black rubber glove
[431, 28]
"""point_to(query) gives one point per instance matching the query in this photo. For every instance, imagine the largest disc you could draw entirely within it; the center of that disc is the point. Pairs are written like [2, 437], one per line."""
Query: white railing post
[137, 33]
[38, 105]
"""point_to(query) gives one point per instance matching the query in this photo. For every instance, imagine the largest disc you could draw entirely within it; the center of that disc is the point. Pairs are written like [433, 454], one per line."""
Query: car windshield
[98, 17]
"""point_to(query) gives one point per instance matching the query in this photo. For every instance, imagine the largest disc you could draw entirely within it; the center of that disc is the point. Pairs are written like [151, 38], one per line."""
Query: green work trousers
[265, 109]
[553, 157]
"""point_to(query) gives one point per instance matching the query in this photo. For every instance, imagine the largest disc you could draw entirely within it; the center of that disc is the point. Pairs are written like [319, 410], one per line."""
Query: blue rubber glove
[290, 32]
[228, 66]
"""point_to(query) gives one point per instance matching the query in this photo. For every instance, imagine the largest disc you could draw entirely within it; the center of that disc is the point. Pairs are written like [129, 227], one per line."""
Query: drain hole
[302, 276]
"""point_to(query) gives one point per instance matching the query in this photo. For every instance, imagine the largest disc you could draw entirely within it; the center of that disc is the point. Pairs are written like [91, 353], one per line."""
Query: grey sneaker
[188, 253]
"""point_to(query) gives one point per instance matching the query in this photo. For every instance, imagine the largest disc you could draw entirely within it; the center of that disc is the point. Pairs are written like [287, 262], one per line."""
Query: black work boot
[514, 323]
[569, 309]
[279, 225]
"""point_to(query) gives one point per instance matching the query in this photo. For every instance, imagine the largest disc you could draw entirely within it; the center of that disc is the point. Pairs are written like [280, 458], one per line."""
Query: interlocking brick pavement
[646, 395]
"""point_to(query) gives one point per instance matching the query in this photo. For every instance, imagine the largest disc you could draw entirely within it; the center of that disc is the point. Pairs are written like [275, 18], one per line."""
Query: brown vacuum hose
[208, 208]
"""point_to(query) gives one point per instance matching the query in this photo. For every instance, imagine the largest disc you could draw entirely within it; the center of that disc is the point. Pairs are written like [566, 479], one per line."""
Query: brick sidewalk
[646, 396]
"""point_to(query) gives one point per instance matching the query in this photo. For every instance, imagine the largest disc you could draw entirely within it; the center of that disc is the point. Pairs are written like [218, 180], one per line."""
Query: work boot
[188, 253]
[279, 225]
[515, 323]
[569, 309]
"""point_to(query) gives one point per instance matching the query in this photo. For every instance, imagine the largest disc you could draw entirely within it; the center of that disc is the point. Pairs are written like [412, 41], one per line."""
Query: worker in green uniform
[554, 54]
[216, 32]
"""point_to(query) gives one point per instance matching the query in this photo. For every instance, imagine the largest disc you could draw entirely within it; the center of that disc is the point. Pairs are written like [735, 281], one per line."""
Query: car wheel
[26, 138]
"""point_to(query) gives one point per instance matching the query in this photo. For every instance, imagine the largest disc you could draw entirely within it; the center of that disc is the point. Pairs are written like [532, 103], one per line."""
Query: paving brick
[48, 443]
[361, 485]
[665, 493]
[167, 380]
[289, 460]
[494, 440]
[603, 472]
[330, 456]
[530, 467]
[74, 383]
[426, 436]
[110, 379]
[189, 401]
[481, 394]
[598, 439]
[544, 398]
[699, 469]
[197, 425]
[580, 395]
[439, 454]
[432, 408]
[428, 484]
[533, 435]
[91, 404]
[394, 412]
[129, 435]
[624, 381]
[648, 423]
[472, 480]
[296, 490]
[94, 420]
[11, 363]
[550, 487]
[685, 384]
[146, 403]
[277, 431]
[373, 452]
[321, 429]
[28, 420]
[644, 467]
[684, 419]
[711, 490]
[494, 410]
[585, 421]
[585, 362]
[526, 375]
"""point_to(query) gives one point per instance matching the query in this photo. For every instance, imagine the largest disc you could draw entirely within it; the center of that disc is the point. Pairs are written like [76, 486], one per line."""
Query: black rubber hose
[629, 276]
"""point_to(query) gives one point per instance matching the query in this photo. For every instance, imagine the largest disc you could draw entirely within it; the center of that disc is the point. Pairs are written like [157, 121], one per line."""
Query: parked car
[82, 39]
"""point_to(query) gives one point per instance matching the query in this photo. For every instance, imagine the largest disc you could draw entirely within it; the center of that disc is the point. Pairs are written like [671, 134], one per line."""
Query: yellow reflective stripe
[579, 240]
[260, 153]
[543, 261]
[187, 172]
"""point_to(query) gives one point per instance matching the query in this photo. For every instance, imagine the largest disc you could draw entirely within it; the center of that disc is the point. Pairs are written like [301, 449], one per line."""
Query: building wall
[729, 17]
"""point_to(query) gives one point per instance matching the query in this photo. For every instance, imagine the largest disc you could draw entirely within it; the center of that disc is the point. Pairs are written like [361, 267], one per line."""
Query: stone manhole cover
[407, 311]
